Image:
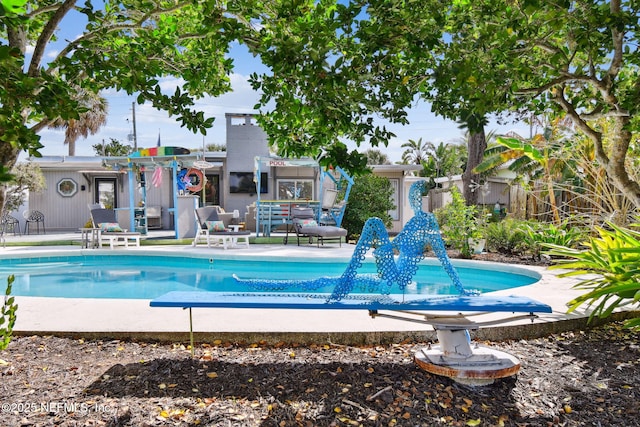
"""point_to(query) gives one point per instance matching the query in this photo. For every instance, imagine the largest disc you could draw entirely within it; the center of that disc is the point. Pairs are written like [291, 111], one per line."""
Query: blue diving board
[468, 303]
[372, 303]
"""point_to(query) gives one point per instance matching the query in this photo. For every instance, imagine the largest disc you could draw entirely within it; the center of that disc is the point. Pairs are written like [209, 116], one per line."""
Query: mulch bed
[583, 378]
[580, 378]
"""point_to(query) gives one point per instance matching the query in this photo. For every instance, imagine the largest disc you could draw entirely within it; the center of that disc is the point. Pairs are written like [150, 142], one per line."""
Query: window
[295, 189]
[67, 187]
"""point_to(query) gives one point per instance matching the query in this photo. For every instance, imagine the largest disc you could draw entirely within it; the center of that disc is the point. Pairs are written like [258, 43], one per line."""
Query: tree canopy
[336, 67]
[127, 45]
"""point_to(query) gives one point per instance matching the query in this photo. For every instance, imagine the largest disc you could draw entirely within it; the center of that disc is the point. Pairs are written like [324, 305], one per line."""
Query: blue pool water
[147, 277]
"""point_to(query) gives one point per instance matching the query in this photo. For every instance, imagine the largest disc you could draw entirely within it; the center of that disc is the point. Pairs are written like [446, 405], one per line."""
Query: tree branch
[596, 137]
[45, 36]
[42, 10]
[135, 25]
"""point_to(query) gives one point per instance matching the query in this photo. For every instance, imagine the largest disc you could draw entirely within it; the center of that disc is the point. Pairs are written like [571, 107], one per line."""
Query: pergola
[133, 165]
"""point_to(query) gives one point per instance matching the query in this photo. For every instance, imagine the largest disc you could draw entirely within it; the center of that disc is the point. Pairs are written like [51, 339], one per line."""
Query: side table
[90, 237]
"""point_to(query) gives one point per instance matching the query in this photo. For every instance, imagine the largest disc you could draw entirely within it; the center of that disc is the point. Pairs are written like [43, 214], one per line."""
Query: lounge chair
[110, 231]
[304, 224]
[211, 229]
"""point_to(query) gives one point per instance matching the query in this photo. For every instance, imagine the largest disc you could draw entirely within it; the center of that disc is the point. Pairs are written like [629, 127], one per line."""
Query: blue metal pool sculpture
[410, 244]
[454, 357]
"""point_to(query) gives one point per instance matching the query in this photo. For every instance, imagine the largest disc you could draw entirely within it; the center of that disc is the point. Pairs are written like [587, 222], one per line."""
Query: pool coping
[135, 320]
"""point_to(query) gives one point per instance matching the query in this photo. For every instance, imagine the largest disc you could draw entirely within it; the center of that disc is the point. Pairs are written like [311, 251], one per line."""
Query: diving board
[319, 301]
[397, 261]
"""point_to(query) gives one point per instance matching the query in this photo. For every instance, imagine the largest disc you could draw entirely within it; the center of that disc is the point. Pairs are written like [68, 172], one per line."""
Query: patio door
[212, 190]
[105, 192]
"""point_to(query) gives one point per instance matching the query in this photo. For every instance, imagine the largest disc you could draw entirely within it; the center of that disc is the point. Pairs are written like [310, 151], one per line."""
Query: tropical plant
[590, 195]
[459, 223]
[611, 263]
[416, 152]
[376, 157]
[7, 315]
[539, 158]
[539, 235]
[93, 115]
[370, 197]
[113, 148]
[444, 160]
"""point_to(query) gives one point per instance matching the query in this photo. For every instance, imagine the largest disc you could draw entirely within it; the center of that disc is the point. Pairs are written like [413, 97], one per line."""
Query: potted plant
[477, 239]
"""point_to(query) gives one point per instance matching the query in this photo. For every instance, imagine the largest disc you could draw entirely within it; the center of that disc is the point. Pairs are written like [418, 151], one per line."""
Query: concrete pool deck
[134, 319]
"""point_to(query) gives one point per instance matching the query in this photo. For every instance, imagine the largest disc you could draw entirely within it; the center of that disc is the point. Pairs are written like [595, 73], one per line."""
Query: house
[145, 188]
[496, 190]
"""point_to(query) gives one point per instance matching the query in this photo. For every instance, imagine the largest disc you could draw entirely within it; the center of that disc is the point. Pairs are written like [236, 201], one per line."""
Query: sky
[151, 123]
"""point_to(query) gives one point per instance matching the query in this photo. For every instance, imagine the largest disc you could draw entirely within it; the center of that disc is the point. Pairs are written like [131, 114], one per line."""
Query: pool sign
[271, 162]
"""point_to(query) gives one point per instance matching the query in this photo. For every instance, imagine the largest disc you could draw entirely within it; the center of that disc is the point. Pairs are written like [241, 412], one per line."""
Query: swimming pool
[137, 276]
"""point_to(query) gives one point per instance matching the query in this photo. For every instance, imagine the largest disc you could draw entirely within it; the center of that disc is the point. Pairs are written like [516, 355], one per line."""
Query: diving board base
[481, 368]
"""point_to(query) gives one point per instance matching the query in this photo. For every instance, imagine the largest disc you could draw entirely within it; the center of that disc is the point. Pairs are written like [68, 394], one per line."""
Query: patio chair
[304, 224]
[110, 231]
[33, 217]
[211, 228]
[9, 223]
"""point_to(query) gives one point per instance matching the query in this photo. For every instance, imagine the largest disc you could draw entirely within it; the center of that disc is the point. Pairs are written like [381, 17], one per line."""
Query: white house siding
[62, 213]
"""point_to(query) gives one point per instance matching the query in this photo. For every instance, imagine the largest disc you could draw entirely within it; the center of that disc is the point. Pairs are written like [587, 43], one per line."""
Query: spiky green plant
[8, 315]
[540, 235]
[612, 262]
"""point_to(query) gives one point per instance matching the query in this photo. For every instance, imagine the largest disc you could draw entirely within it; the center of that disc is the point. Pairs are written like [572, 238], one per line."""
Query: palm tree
[416, 151]
[91, 119]
[376, 157]
[449, 159]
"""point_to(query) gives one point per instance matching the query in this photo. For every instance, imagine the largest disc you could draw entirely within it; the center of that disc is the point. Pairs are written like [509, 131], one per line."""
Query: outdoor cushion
[215, 225]
[308, 223]
[110, 227]
[324, 231]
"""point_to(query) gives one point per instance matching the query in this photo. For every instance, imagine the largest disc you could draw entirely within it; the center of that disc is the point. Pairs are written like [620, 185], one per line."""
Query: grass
[273, 240]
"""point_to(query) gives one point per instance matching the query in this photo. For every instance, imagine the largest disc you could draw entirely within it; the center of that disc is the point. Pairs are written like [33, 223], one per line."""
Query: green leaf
[13, 7]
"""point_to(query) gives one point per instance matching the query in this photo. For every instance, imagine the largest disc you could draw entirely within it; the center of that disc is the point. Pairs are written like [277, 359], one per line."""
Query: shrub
[458, 223]
[538, 235]
[506, 237]
[370, 197]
